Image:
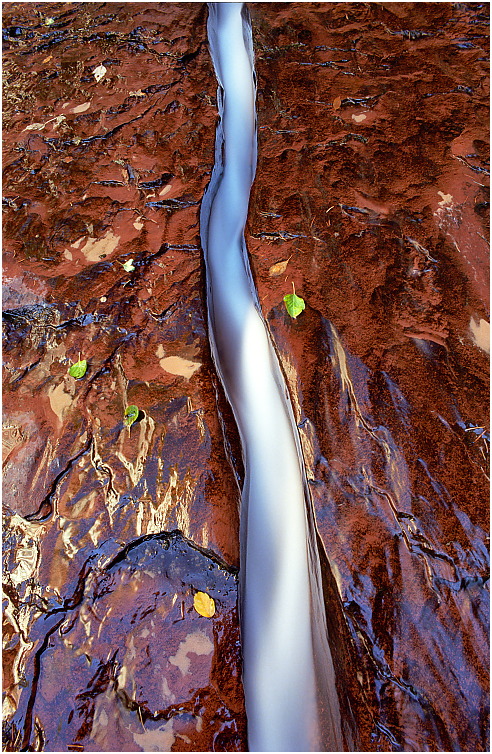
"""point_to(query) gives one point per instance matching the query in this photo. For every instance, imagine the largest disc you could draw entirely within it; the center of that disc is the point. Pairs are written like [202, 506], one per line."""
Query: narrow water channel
[288, 674]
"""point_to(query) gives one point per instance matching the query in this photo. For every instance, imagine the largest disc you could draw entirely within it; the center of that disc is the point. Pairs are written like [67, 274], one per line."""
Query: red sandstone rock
[372, 183]
[382, 217]
[98, 172]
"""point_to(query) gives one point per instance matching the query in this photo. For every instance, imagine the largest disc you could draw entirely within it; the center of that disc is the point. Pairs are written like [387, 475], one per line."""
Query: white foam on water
[288, 676]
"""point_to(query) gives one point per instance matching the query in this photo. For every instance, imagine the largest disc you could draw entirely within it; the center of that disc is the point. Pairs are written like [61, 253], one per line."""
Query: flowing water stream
[288, 673]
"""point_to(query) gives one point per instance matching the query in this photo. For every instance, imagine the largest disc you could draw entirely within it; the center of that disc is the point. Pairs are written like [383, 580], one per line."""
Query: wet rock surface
[372, 183]
[109, 117]
[127, 662]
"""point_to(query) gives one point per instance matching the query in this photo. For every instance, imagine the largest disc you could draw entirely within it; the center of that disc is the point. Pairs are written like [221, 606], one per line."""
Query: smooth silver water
[288, 676]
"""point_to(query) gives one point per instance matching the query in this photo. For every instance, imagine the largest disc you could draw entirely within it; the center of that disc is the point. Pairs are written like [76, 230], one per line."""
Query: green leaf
[294, 304]
[128, 266]
[78, 369]
[131, 415]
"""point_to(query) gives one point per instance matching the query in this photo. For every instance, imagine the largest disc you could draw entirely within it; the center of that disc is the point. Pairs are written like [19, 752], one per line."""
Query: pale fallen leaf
[99, 73]
[46, 60]
[446, 198]
[337, 103]
[128, 266]
[39, 126]
[81, 108]
[481, 333]
[179, 366]
[204, 605]
[278, 268]
[94, 248]
[359, 118]
[35, 127]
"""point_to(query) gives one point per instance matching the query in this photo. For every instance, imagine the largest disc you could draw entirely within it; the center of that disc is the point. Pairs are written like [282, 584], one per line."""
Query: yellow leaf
[337, 102]
[278, 268]
[204, 605]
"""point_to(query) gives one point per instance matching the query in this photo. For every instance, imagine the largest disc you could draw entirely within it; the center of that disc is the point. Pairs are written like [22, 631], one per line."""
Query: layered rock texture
[371, 197]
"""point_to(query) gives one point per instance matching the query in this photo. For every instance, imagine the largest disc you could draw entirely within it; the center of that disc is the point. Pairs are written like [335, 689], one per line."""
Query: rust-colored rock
[372, 186]
[374, 116]
[128, 665]
[109, 116]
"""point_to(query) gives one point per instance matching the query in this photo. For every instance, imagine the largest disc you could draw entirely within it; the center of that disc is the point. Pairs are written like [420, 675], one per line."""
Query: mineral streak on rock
[383, 221]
